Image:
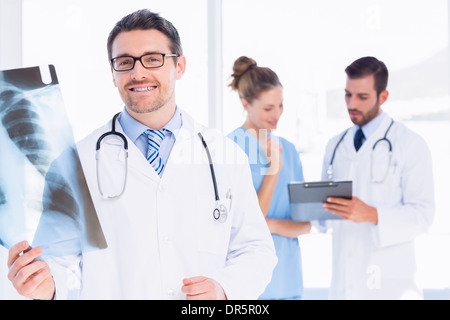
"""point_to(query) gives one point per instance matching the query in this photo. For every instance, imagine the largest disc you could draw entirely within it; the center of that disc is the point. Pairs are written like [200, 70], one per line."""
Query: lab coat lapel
[378, 134]
[184, 152]
[359, 162]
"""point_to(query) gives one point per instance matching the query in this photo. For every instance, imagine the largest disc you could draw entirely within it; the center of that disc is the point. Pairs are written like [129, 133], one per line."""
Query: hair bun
[241, 66]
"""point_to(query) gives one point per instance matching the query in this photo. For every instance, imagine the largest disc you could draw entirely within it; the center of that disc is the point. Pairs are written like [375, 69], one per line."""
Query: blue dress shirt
[371, 126]
[134, 129]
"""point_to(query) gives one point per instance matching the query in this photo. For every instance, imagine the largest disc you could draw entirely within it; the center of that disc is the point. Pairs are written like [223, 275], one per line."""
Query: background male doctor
[163, 241]
[393, 202]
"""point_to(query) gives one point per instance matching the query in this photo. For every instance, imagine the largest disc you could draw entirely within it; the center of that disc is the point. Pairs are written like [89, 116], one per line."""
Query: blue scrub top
[287, 280]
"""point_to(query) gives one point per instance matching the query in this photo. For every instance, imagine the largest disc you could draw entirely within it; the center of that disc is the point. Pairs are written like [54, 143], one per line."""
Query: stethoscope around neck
[220, 212]
[384, 139]
[113, 132]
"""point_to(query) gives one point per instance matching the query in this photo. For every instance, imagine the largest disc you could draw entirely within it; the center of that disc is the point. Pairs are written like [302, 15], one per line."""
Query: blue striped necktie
[155, 138]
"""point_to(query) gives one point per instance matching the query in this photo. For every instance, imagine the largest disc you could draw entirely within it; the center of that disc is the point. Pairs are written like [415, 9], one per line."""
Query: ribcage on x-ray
[59, 194]
[2, 197]
[34, 128]
[24, 121]
[2, 202]
[24, 128]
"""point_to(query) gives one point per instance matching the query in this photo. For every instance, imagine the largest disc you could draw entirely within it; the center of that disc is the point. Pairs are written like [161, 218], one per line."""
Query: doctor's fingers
[197, 287]
[15, 251]
[341, 201]
[35, 281]
[337, 210]
[28, 278]
[270, 147]
[200, 290]
[22, 261]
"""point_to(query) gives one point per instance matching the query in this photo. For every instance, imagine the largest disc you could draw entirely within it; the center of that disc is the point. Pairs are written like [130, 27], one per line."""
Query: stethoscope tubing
[330, 167]
[211, 167]
[220, 212]
[112, 132]
[97, 155]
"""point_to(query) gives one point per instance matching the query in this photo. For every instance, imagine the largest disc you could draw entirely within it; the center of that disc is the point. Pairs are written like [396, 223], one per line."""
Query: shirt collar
[133, 128]
[174, 125]
[372, 125]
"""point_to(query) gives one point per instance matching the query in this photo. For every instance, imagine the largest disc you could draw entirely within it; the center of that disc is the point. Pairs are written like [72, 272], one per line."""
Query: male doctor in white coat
[164, 242]
[393, 201]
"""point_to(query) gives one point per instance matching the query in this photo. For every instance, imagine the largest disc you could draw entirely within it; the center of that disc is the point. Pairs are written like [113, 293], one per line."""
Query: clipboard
[306, 198]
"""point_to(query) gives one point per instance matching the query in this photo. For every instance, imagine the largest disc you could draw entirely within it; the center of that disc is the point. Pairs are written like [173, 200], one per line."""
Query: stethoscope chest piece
[220, 213]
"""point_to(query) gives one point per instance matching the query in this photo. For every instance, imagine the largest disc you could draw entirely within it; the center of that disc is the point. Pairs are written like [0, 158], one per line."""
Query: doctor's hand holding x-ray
[393, 197]
[166, 240]
[33, 280]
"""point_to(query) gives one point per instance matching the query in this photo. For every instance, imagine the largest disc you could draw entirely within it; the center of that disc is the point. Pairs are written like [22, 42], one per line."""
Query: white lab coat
[162, 229]
[378, 261]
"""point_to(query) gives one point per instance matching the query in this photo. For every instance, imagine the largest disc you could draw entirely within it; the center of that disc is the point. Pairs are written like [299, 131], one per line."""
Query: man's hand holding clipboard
[307, 199]
[351, 209]
[327, 200]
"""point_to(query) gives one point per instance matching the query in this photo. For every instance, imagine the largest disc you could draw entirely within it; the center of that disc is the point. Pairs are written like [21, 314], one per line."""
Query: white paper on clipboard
[306, 198]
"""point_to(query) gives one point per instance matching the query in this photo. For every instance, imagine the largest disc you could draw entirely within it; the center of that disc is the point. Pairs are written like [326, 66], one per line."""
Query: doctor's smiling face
[144, 90]
[363, 101]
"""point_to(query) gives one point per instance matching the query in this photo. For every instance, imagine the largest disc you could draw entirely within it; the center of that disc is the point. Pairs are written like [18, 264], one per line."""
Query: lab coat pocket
[212, 236]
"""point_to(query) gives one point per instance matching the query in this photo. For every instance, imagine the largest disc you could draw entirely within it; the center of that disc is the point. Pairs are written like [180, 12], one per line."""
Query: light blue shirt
[371, 126]
[287, 279]
[134, 131]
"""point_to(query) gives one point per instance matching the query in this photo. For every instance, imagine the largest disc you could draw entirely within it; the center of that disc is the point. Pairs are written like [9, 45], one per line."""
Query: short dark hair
[146, 20]
[367, 66]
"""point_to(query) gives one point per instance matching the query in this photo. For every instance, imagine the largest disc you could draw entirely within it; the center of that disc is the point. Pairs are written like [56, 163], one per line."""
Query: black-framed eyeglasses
[149, 61]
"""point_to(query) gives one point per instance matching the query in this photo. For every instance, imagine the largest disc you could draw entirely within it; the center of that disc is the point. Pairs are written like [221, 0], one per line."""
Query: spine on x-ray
[23, 126]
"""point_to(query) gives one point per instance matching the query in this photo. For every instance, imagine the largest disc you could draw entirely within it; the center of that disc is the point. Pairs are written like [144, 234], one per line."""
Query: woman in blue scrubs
[274, 163]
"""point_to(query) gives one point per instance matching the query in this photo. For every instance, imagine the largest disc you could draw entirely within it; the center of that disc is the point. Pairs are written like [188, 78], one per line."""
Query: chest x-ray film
[43, 192]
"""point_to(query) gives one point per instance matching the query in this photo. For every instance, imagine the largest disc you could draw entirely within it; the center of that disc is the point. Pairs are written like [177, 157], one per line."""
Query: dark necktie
[359, 137]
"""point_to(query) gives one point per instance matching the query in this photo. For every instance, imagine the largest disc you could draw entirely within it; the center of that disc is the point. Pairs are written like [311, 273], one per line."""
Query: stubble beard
[152, 108]
[369, 116]
[155, 106]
